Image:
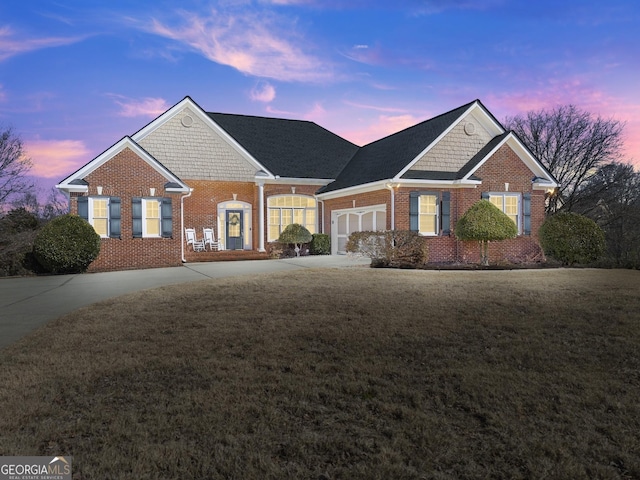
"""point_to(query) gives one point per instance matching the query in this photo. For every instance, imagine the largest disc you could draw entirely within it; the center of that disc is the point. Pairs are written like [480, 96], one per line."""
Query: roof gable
[388, 157]
[75, 182]
[219, 143]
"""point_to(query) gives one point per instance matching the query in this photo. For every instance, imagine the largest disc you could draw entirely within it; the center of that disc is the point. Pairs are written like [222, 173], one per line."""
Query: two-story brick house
[248, 177]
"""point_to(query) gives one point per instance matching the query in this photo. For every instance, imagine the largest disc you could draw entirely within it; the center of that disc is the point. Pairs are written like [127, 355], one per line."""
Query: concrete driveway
[28, 302]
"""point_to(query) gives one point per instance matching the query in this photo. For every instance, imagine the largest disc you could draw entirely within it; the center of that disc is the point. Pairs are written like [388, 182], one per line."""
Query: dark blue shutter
[446, 213]
[114, 217]
[166, 213]
[485, 196]
[136, 216]
[526, 213]
[413, 211]
[83, 208]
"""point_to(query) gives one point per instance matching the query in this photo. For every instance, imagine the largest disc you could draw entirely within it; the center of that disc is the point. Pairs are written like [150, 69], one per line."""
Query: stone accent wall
[196, 151]
[452, 152]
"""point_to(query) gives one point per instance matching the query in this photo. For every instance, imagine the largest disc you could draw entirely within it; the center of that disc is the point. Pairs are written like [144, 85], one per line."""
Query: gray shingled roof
[385, 158]
[289, 148]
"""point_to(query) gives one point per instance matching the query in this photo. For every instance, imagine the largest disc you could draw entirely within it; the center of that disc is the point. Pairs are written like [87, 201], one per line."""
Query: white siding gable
[456, 148]
[192, 149]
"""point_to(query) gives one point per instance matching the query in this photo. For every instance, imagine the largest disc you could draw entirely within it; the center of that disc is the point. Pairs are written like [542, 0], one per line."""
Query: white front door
[345, 222]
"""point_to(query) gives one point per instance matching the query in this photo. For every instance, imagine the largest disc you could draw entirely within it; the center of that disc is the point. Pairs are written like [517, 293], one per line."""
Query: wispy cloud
[56, 158]
[263, 92]
[384, 125]
[260, 44]
[374, 107]
[11, 44]
[145, 107]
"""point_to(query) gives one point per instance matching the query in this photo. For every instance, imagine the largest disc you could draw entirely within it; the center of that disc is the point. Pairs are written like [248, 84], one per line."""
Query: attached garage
[345, 222]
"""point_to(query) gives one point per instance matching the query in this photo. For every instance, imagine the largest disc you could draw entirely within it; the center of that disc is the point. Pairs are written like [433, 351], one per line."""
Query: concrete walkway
[28, 302]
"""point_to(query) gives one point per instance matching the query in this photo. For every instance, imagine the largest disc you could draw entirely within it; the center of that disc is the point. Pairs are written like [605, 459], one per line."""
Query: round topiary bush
[67, 244]
[295, 234]
[571, 238]
[484, 223]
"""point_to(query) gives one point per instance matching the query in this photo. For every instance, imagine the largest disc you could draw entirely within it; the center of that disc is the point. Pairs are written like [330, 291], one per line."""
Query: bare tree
[54, 205]
[14, 166]
[571, 143]
[611, 198]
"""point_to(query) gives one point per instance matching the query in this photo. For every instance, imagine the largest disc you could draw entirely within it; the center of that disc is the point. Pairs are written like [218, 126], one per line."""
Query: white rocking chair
[197, 245]
[209, 239]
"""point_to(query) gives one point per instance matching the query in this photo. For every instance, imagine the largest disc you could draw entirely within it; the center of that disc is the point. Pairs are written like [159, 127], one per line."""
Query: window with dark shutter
[413, 212]
[526, 213]
[83, 208]
[136, 216]
[167, 218]
[114, 217]
[446, 213]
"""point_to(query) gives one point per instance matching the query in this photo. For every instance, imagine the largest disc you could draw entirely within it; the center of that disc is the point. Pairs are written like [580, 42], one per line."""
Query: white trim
[107, 155]
[406, 183]
[299, 181]
[518, 195]
[485, 120]
[90, 216]
[185, 103]
[247, 215]
[143, 206]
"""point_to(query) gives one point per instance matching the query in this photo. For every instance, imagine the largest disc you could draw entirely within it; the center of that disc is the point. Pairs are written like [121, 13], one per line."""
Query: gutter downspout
[182, 224]
[393, 205]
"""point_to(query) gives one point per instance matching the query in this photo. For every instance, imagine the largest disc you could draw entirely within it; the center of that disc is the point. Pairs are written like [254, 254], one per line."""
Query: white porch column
[261, 217]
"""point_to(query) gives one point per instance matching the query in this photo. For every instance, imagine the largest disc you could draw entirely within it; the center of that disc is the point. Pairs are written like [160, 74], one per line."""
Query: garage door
[345, 222]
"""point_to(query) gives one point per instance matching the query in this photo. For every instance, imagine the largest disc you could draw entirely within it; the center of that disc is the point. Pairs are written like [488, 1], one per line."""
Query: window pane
[511, 205]
[428, 204]
[274, 232]
[153, 226]
[100, 208]
[298, 215]
[310, 219]
[497, 201]
[427, 224]
[100, 226]
[287, 217]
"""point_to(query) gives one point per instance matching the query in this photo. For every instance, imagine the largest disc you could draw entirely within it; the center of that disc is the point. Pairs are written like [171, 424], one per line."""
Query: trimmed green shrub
[67, 244]
[295, 234]
[320, 244]
[392, 248]
[571, 238]
[484, 223]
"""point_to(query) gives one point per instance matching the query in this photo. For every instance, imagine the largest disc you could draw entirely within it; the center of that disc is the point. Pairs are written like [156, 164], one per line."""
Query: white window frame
[292, 209]
[90, 216]
[437, 214]
[158, 201]
[518, 198]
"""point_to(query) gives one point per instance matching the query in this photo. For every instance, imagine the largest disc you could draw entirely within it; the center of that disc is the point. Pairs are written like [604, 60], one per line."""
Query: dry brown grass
[358, 373]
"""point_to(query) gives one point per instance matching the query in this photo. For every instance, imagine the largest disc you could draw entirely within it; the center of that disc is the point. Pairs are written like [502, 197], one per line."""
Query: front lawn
[339, 374]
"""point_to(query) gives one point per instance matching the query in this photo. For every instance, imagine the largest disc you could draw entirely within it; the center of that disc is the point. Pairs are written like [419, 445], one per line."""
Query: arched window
[284, 210]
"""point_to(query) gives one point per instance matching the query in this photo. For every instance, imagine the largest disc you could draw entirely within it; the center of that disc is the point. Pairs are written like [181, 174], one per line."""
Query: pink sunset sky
[75, 77]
